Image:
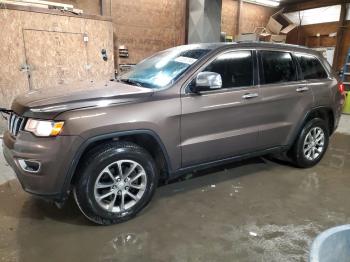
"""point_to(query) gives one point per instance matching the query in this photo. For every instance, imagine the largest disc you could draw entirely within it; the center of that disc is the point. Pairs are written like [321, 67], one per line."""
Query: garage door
[54, 58]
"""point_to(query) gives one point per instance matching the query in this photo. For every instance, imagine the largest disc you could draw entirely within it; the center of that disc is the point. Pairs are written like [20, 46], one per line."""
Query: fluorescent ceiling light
[270, 3]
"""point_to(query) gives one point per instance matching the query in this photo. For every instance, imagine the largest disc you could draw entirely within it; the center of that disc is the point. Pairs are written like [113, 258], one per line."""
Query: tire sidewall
[85, 189]
[301, 160]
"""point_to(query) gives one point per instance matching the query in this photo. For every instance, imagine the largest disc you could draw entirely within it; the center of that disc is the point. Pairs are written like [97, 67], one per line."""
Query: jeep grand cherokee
[185, 108]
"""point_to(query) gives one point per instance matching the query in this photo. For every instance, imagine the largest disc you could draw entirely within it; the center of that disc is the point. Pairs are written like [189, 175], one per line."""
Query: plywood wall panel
[14, 35]
[12, 80]
[103, 31]
[88, 6]
[49, 22]
[56, 66]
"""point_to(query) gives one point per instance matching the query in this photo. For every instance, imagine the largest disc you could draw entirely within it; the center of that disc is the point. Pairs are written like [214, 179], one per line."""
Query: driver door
[221, 123]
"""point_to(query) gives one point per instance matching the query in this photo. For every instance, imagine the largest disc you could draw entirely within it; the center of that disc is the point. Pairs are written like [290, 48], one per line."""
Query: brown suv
[185, 108]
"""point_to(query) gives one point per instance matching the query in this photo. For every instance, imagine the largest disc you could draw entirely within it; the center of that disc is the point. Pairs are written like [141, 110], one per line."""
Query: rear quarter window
[311, 67]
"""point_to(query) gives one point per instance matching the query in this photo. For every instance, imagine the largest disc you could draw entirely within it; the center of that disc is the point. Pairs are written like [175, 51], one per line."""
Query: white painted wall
[317, 15]
[327, 52]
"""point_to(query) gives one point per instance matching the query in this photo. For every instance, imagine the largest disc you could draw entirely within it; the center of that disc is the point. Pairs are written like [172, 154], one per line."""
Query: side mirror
[206, 81]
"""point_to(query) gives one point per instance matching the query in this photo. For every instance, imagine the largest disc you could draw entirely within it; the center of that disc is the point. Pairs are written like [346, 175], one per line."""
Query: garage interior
[259, 209]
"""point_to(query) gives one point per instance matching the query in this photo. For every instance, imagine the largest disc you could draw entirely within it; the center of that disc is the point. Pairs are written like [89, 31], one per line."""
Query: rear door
[221, 123]
[286, 98]
[316, 77]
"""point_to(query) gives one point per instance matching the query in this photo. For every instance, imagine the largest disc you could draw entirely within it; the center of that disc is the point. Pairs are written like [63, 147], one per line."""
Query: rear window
[277, 67]
[311, 67]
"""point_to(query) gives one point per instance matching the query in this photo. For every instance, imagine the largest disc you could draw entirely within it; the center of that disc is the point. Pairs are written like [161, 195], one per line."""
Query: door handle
[302, 89]
[250, 95]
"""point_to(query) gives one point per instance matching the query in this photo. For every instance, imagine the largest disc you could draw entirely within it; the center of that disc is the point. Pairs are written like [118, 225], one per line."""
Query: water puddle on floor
[249, 211]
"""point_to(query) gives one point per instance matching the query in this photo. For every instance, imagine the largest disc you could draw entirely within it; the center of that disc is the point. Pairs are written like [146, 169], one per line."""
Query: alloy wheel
[314, 143]
[120, 186]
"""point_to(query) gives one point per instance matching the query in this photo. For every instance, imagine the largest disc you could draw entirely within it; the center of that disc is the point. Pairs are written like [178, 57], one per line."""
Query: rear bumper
[338, 109]
[55, 156]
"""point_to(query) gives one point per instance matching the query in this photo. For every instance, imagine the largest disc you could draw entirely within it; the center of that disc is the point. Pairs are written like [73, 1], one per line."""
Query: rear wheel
[311, 144]
[115, 182]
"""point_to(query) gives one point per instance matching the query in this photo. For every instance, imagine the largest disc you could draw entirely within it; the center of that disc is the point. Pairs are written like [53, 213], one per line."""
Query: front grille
[15, 123]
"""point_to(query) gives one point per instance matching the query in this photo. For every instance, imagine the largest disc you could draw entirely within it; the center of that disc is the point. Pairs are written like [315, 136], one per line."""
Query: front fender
[87, 142]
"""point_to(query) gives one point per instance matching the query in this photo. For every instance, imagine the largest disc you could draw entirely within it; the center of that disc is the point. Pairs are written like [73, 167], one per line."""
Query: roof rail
[268, 43]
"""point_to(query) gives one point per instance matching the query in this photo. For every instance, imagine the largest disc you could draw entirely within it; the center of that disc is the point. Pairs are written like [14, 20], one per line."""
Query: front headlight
[43, 127]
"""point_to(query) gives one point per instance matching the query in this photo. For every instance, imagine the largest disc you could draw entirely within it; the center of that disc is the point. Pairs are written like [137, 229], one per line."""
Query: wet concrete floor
[256, 210]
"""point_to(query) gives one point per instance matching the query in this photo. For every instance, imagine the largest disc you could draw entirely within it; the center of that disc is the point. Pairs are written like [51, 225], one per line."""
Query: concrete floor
[256, 210]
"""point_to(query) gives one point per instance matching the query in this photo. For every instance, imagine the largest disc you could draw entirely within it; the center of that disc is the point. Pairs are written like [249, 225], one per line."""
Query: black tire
[297, 151]
[92, 165]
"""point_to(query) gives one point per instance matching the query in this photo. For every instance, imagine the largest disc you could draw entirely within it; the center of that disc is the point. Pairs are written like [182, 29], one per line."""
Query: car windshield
[163, 68]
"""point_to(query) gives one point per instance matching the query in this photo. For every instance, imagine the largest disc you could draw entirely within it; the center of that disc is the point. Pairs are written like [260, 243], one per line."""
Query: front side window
[311, 67]
[277, 67]
[235, 68]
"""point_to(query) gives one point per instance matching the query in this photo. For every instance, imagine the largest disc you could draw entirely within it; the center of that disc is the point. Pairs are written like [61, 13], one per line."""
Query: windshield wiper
[129, 81]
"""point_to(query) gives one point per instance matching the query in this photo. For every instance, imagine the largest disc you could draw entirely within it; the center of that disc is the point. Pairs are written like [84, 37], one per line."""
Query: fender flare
[82, 148]
[303, 121]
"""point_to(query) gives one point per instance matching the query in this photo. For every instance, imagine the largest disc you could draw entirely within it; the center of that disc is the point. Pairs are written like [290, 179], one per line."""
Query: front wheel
[311, 145]
[115, 182]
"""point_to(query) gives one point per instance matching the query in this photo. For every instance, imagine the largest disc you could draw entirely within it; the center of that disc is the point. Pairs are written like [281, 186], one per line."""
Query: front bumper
[55, 155]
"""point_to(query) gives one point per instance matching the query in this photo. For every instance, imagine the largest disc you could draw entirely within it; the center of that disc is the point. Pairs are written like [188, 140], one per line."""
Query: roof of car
[253, 44]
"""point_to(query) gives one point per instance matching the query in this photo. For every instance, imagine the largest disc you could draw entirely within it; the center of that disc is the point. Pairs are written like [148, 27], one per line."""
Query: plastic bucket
[332, 245]
[346, 109]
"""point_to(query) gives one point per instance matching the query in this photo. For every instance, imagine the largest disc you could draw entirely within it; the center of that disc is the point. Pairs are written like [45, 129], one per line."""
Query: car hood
[47, 103]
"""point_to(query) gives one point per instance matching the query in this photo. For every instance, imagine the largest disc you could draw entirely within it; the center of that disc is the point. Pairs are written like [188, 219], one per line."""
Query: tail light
[341, 87]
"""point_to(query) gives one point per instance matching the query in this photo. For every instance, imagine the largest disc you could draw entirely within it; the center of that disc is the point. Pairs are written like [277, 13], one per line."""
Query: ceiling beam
[187, 18]
[238, 17]
[340, 33]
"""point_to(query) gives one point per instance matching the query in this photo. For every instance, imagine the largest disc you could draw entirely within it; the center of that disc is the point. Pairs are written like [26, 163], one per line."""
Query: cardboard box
[278, 38]
[266, 37]
[279, 24]
[263, 34]
[247, 37]
[275, 31]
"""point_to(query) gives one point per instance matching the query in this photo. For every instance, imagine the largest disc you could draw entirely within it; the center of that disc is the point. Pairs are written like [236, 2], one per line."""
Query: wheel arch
[322, 112]
[145, 138]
